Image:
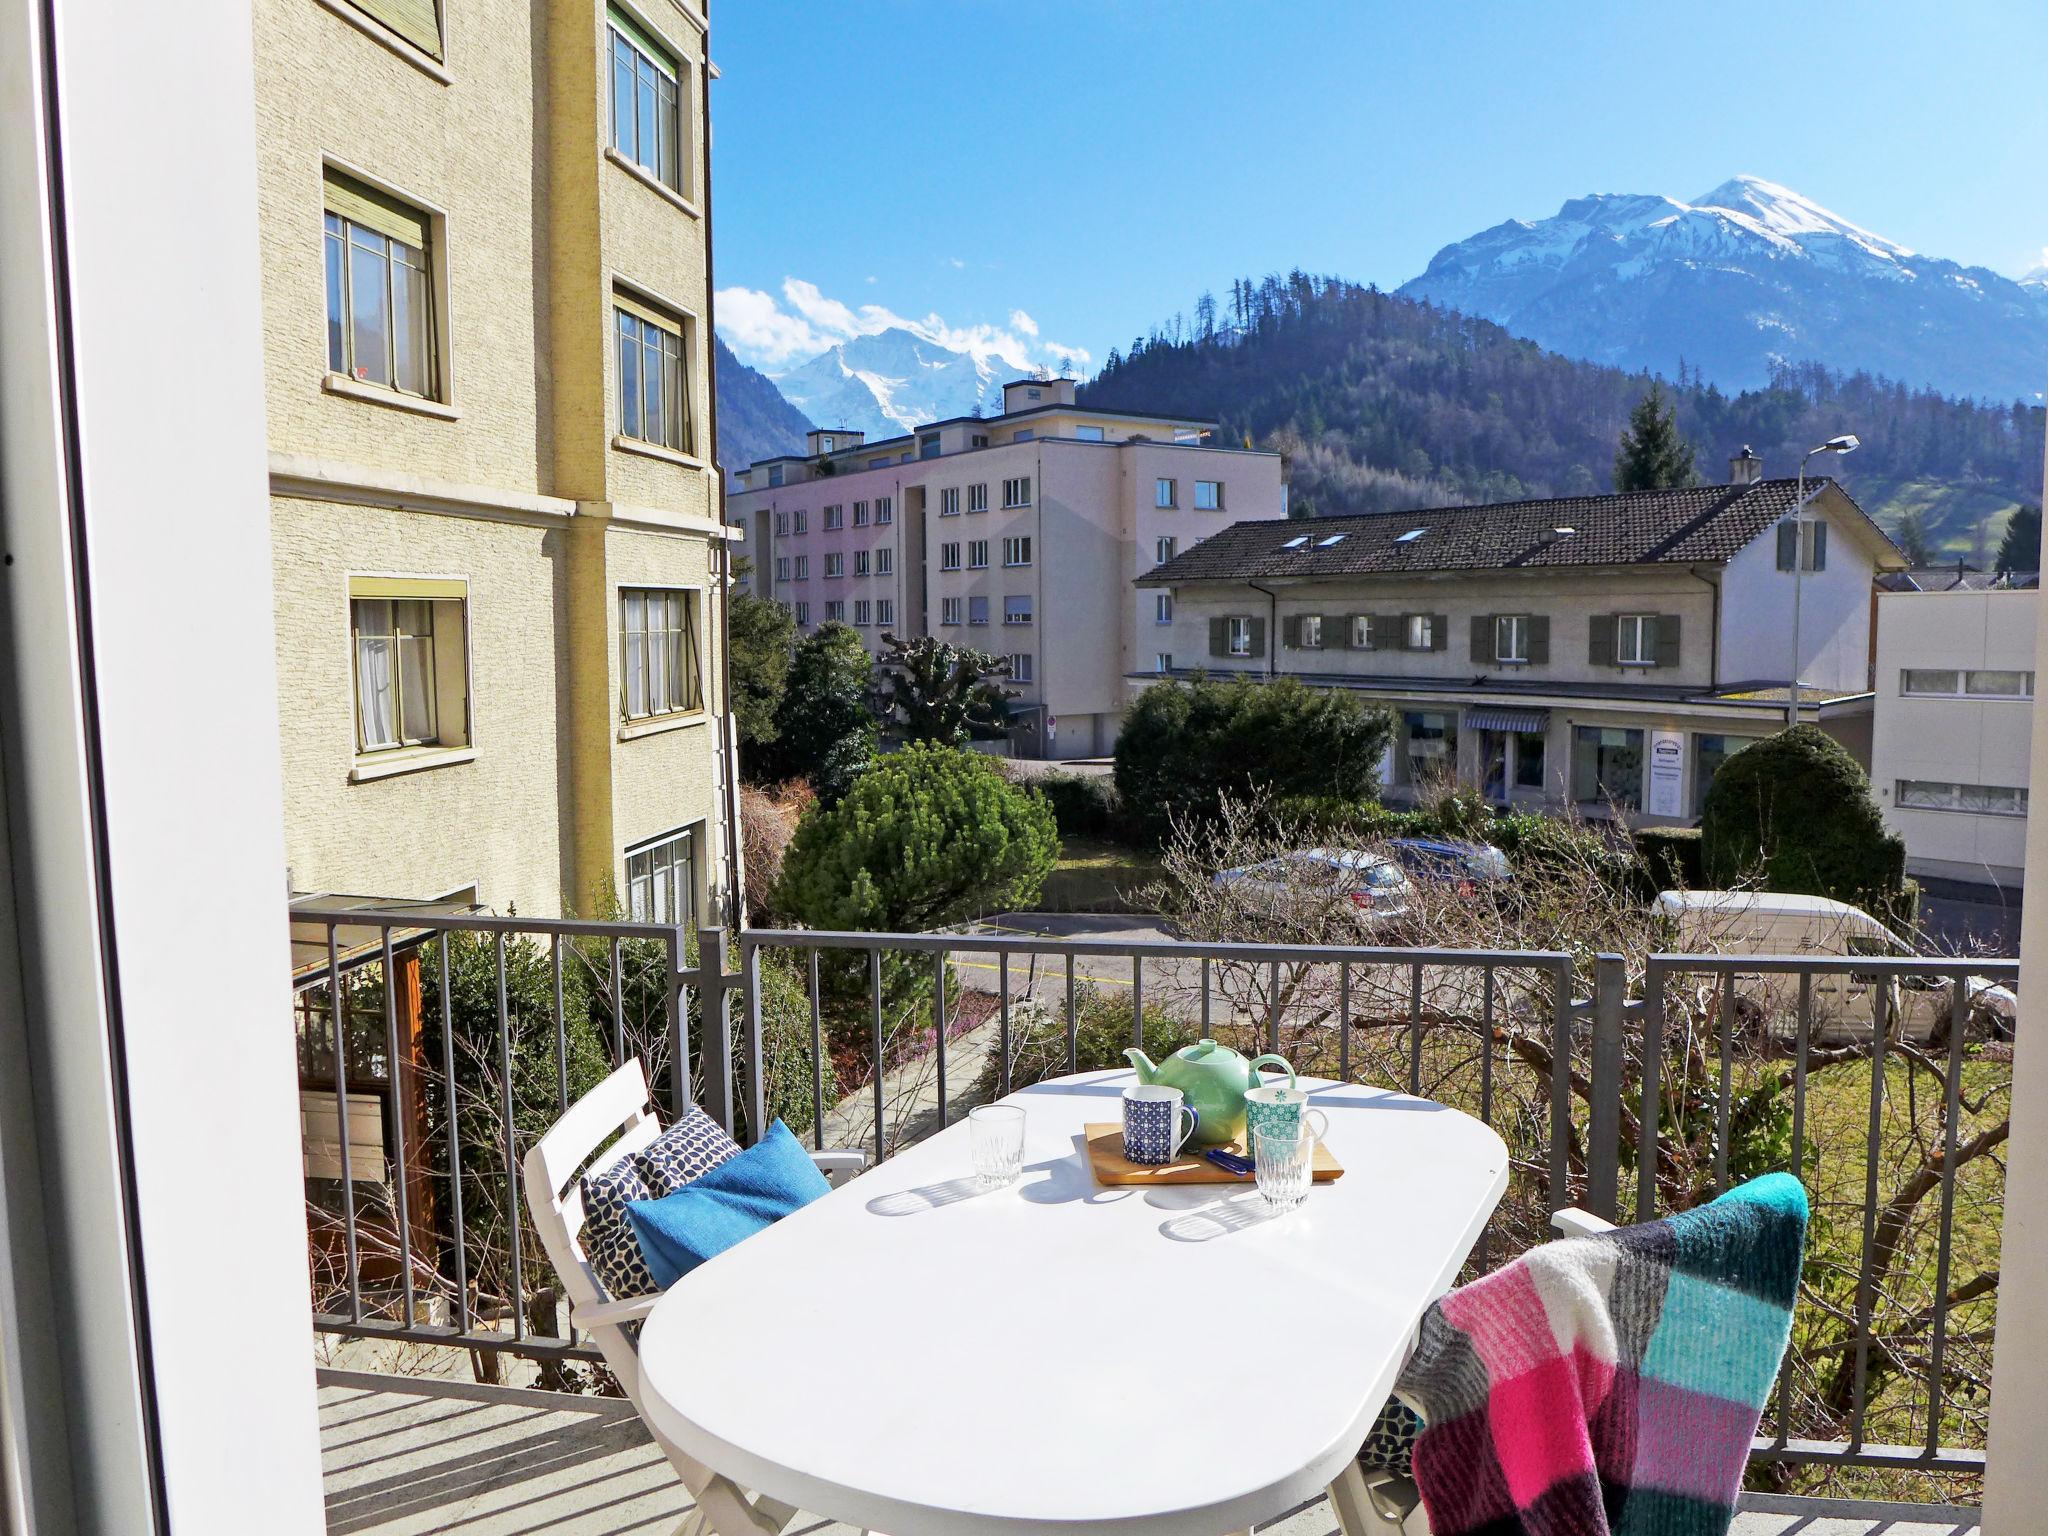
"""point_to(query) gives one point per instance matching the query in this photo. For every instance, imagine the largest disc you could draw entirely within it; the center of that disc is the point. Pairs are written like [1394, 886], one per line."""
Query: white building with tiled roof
[1593, 651]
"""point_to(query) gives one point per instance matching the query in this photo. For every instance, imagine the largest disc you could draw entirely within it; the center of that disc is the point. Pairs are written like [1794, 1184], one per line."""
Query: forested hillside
[1383, 402]
[754, 420]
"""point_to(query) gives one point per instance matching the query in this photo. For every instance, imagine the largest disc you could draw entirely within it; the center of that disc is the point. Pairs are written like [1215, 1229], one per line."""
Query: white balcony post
[2015, 1493]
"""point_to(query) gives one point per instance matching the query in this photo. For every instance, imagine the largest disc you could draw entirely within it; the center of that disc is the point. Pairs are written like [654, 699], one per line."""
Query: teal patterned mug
[1279, 1109]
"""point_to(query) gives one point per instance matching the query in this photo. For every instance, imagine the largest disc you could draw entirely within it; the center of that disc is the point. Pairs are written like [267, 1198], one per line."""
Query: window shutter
[1820, 547]
[365, 205]
[1407, 630]
[1539, 638]
[1219, 637]
[1788, 543]
[1482, 637]
[1258, 637]
[1290, 632]
[1439, 631]
[1600, 636]
[417, 21]
[1667, 639]
[1336, 631]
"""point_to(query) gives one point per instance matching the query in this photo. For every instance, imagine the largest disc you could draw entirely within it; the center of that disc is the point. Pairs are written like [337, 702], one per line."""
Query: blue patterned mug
[1153, 1130]
[1279, 1109]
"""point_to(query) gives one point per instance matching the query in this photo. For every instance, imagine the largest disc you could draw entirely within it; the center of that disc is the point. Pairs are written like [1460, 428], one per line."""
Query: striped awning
[1507, 719]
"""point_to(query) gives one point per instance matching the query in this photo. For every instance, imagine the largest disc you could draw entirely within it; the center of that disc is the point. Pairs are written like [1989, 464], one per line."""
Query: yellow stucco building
[498, 556]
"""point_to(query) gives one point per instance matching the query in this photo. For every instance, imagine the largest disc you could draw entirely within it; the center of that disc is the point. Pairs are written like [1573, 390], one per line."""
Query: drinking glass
[995, 1135]
[1284, 1165]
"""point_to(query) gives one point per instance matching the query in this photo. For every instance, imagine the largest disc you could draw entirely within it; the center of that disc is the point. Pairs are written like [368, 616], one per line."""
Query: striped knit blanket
[1609, 1385]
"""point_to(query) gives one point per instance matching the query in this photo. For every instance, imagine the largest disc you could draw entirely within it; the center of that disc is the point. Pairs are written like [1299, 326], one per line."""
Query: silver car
[1375, 885]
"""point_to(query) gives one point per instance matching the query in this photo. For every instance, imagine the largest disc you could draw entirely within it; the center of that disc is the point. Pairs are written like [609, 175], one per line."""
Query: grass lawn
[1094, 876]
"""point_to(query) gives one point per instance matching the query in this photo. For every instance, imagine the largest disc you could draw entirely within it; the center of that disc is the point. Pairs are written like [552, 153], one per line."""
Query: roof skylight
[1411, 535]
[1564, 528]
[1335, 538]
[1296, 542]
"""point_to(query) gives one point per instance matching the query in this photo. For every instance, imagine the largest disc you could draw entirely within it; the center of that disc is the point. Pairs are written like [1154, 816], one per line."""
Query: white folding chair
[1376, 1503]
[554, 1195]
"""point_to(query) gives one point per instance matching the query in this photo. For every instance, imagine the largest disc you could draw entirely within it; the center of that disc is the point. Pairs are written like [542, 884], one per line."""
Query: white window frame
[861, 562]
[863, 612]
[1919, 795]
[885, 561]
[1421, 631]
[1162, 661]
[949, 610]
[885, 510]
[1642, 629]
[835, 611]
[949, 501]
[835, 565]
[1017, 492]
[662, 66]
[860, 514]
[803, 614]
[835, 517]
[1162, 608]
[1163, 549]
[1015, 615]
[1511, 638]
[1020, 666]
[782, 567]
[803, 567]
[1017, 550]
[447, 731]
[682, 660]
[1238, 635]
[949, 557]
[885, 610]
[799, 521]
[1361, 632]
[977, 497]
[1165, 493]
[1213, 491]
[977, 554]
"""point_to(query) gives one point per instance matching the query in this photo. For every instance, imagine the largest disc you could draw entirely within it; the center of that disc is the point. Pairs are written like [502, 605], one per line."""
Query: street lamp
[1846, 443]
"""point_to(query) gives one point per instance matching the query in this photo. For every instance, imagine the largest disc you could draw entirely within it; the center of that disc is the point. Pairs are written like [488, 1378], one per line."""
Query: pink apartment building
[1020, 534]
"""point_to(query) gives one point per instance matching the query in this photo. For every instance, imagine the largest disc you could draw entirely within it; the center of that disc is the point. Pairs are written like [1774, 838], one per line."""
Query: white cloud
[956, 263]
[772, 333]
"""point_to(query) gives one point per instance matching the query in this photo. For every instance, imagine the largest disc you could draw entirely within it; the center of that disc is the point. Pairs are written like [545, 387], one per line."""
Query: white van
[1781, 923]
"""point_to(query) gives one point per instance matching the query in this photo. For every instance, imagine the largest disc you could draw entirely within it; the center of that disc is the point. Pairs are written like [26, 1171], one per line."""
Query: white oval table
[914, 1357]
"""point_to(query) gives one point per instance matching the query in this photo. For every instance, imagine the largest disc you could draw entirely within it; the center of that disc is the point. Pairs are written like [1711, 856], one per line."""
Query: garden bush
[1084, 805]
[1797, 809]
[1671, 858]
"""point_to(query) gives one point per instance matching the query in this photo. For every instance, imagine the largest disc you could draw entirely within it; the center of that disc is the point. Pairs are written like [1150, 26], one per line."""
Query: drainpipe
[735, 905]
[1714, 634]
[1272, 628]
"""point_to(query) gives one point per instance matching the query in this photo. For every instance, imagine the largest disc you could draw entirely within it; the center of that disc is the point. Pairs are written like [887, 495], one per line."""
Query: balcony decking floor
[405, 1456]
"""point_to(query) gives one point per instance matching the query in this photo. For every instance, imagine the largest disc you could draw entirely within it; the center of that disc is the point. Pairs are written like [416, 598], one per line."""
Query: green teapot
[1213, 1079]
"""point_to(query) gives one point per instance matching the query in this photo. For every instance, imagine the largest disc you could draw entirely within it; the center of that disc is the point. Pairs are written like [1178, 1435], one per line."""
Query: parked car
[1471, 867]
[1782, 923]
[1373, 883]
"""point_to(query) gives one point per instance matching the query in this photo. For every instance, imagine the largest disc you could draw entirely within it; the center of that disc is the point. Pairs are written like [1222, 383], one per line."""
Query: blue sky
[1029, 178]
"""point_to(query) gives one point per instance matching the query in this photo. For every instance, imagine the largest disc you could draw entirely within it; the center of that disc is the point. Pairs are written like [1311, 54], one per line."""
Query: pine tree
[1652, 456]
[1915, 537]
[2020, 549]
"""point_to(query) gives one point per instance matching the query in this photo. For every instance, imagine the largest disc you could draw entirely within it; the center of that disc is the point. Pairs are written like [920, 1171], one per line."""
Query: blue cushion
[732, 1202]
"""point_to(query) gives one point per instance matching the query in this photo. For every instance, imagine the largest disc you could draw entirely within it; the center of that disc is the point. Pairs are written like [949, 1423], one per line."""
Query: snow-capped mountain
[894, 380]
[1746, 276]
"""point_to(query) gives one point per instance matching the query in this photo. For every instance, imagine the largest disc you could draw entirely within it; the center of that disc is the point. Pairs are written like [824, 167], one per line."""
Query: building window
[775, 478]
[800, 521]
[661, 881]
[835, 517]
[646, 102]
[411, 663]
[380, 290]
[1017, 610]
[885, 610]
[1635, 639]
[978, 440]
[949, 557]
[1017, 551]
[417, 21]
[1208, 495]
[1511, 637]
[1162, 661]
[977, 497]
[1947, 683]
[803, 614]
[885, 561]
[863, 611]
[1017, 493]
[949, 501]
[1607, 766]
[835, 565]
[782, 567]
[659, 633]
[1020, 666]
[1238, 633]
[654, 383]
[1421, 631]
[1981, 799]
[977, 554]
[835, 611]
[1311, 631]
[860, 514]
[885, 509]
[1162, 551]
[1087, 434]
[1361, 632]
[1429, 746]
[949, 610]
[977, 610]
[1163, 492]
[1813, 544]
[927, 446]
[1529, 756]
[1162, 608]
[860, 562]
[1022, 435]
[1708, 754]
[803, 567]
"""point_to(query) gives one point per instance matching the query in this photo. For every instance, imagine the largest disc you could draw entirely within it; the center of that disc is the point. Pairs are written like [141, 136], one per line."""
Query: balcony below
[406, 1456]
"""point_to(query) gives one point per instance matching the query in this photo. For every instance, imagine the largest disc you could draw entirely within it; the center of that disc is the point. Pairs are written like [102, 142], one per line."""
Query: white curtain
[374, 703]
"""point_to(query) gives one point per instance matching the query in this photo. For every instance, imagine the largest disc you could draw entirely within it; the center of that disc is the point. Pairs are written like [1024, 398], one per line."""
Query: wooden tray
[1106, 1157]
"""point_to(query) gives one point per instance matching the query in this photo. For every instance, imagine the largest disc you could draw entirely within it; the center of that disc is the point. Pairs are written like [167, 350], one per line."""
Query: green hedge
[1672, 857]
[1798, 806]
[1085, 805]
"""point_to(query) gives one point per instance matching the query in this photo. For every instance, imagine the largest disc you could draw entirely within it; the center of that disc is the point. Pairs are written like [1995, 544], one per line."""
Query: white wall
[143, 784]
[1953, 740]
[1834, 612]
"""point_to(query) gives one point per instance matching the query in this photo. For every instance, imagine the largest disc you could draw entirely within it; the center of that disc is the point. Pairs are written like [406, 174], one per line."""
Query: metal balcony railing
[461, 1039]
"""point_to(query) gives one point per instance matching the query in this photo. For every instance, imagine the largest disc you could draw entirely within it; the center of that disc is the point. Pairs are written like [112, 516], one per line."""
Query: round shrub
[1797, 808]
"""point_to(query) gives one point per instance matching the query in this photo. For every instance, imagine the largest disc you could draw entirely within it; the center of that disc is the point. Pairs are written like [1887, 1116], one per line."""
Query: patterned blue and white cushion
[687, 1150]
[608, 1239]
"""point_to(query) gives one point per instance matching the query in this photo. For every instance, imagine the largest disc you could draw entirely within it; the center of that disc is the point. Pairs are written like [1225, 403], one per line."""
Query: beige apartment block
[1019, 534]
[1954, 729]
[499, 563]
